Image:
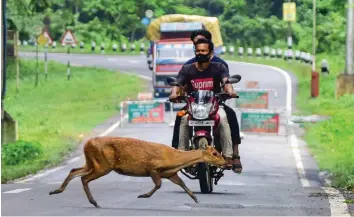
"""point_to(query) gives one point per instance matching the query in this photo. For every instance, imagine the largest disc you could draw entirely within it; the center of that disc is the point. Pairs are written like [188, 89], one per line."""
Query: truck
[172, 47]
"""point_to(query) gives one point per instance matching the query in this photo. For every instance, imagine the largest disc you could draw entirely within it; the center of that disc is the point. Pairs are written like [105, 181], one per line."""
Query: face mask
[202, 58]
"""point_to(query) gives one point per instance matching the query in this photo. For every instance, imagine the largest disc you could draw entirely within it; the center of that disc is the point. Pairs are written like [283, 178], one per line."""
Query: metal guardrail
[267, 52]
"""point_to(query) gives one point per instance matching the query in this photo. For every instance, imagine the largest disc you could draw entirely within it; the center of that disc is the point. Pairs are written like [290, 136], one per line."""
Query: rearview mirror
[235, 79]
[172, 81]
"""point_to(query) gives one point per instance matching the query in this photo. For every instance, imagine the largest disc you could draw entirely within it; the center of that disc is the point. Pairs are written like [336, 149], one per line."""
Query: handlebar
[219, 96]
[179, 98]
[225, 96]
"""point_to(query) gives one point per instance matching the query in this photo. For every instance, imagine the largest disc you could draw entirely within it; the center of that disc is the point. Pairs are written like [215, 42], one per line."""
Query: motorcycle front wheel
[204, 172]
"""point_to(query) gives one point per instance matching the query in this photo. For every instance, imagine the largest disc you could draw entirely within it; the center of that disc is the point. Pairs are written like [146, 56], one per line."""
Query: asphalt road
[269, 185]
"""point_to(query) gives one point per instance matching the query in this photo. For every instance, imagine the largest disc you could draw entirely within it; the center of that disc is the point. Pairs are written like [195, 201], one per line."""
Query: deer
[137, 158]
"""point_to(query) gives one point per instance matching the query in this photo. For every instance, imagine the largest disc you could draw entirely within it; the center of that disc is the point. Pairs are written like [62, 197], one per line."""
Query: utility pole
[315, 76]
[290, 38]
[345, 81]
[350, 34]
[289, 15]
[3, 56]
[314, 37]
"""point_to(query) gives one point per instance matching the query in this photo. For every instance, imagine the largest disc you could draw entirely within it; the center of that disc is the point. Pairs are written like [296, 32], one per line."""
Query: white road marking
[275, 174]
[299, 165]
[229, 182]
[116, 60]
[140, 76]
[41, 174]
[54, 183]
[145, 77]
[17, 190]
[113, 127]
[337, 202]
[73, 160]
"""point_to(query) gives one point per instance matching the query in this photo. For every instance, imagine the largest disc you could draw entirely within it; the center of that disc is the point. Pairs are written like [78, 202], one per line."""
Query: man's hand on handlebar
[176, 99]
[173, 97]
[233, 95]
[224, 96]
[228, 89]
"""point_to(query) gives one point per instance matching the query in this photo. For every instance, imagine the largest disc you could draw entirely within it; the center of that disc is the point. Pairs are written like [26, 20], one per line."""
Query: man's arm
[181, 79]
[224, 74]
[228, 88]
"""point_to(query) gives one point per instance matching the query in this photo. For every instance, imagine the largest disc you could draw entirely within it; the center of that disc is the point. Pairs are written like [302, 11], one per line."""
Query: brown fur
[133, 157]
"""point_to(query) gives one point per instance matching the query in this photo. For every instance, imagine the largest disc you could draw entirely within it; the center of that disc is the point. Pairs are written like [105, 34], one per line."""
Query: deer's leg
[178, 181]
[95, 174]
[157, 180]
[73, 174]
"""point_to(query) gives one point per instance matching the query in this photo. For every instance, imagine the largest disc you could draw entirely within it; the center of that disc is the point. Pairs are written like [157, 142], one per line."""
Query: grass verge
[58, 113]
[331, 142]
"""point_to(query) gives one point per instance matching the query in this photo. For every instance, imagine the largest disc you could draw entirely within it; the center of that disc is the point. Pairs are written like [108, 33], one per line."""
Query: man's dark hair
[202, 32]
[205, 41]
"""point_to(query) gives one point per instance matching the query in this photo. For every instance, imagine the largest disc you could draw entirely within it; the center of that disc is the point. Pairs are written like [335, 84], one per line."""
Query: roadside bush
[20, 151]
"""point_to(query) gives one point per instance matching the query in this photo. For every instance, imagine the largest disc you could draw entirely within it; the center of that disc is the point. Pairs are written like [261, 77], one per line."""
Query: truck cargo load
[211, 24]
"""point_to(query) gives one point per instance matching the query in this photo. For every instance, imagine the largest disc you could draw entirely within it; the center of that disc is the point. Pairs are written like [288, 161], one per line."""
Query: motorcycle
[203, 122]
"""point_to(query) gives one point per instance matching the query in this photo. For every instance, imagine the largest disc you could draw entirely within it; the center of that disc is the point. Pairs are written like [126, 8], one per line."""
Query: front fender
[202, 133]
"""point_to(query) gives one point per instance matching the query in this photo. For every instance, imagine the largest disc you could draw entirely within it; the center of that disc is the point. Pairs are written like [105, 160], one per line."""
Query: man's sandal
[236, 167]
[229, 163]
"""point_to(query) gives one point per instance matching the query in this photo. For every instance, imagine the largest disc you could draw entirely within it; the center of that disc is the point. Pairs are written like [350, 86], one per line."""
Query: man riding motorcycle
[206, 75]
[230, 113]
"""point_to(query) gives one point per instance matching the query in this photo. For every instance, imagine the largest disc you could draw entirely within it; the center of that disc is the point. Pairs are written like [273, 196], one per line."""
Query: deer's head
[212, 156]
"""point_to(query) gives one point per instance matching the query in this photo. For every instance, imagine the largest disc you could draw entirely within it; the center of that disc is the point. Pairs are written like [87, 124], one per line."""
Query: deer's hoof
[143, 196]
[54, 192]
[96, 205]
[93, 202]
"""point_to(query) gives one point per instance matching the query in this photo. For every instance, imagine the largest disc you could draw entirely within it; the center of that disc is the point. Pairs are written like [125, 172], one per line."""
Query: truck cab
[169, 57]
[170, 53]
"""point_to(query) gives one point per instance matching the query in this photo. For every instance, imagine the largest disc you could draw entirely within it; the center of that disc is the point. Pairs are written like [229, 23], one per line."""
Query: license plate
[201, 123]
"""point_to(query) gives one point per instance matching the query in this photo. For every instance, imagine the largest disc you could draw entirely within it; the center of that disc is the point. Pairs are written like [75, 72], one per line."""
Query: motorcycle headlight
[201, 111]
